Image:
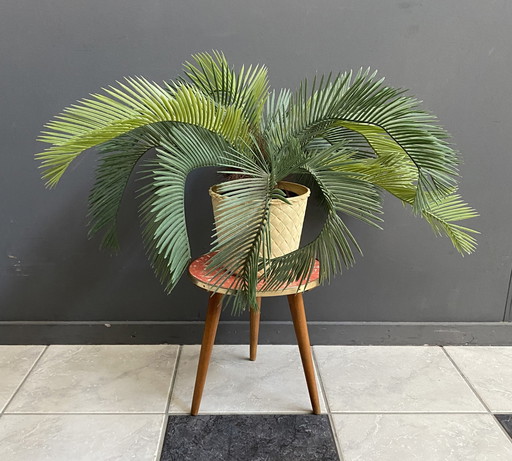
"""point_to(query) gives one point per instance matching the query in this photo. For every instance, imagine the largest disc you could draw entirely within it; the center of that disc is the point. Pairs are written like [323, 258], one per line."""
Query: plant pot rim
[302, 192]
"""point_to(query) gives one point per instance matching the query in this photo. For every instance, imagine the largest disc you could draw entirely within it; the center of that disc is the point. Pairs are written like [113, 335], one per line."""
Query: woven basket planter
[286, 220]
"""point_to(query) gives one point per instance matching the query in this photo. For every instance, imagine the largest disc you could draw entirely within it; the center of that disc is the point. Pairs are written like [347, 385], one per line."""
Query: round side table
[200, 277]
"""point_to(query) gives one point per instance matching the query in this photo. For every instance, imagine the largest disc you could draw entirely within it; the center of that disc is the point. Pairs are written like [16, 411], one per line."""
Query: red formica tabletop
[199, 273]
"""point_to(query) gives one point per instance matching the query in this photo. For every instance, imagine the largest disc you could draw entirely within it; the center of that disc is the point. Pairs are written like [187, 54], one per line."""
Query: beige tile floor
[273, 383]
[385, 402]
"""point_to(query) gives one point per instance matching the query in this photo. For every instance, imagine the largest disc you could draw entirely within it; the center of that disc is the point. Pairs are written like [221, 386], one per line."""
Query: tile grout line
[327, 407]
[77, 413]
[468, 382]
[173, 380]
[410, 412]
[36, 361]
[161, 439]
[14, 413]
[464, 377]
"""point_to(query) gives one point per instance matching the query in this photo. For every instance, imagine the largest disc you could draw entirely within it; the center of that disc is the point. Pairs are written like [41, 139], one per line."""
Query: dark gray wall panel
[452, 54]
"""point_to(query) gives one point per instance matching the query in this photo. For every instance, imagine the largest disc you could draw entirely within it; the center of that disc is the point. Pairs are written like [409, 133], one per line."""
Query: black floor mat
[249, 438]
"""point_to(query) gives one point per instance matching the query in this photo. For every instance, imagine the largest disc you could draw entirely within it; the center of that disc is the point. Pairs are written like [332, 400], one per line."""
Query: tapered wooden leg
[210, 330]
[301, 331]
[255, 328]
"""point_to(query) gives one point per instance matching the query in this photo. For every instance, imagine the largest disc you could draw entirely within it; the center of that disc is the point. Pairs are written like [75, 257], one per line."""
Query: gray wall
[454, 55]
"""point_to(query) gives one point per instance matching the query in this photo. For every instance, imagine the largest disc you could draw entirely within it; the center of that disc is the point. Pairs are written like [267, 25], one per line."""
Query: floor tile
[274, 383]
[249, 437]
[392, 379]
[98, 379]
[506, 422]
[424, 437]
[489, 370]
[80, 437]
[15, 362]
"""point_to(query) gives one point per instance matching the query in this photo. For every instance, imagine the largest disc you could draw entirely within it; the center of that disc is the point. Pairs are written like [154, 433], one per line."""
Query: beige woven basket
[286, 220]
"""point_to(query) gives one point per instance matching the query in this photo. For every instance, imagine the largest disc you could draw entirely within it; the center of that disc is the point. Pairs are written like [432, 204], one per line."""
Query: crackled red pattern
[198, 270]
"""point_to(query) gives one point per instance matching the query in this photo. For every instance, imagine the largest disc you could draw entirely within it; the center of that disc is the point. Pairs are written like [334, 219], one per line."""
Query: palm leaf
[133, 105]
[241, 239]
[347, 191]
[391, 123]
[181, 149]
[246, 90]
[119, 158]
[340, 191]
[442, 215]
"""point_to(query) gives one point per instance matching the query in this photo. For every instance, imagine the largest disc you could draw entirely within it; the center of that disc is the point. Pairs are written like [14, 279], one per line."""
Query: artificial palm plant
[349, 136]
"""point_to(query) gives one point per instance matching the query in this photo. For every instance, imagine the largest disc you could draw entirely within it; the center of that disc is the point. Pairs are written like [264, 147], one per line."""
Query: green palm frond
[347, 191]
[442, 217]
[241, 239]
[246, 89]
[242, 229]
[275, 112]
[341, 190]
[391, 123]
[397, 179]
[133, 105]
[180, 150]
[392, 174]
[119, 158]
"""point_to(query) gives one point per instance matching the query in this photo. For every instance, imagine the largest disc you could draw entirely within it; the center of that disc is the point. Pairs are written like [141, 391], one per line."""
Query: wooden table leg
[255, 328]
[210, 330]
[301, 331]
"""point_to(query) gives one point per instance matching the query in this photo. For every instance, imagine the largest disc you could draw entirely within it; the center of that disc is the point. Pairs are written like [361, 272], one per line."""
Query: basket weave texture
[286, 220]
